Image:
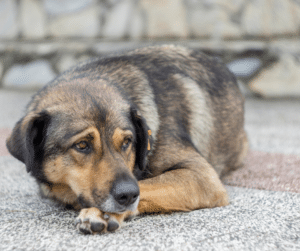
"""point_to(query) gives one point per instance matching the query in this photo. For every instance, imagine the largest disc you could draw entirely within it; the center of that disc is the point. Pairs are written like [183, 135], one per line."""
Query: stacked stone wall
[259, 40]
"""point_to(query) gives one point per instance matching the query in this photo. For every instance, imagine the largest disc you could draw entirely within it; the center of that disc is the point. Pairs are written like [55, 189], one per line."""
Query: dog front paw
[92, 221]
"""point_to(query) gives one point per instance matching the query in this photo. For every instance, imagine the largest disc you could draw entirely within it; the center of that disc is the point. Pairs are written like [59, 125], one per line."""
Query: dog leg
[194, 185]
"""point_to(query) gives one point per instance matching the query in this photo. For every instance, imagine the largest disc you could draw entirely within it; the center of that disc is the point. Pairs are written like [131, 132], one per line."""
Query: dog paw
[93, 221]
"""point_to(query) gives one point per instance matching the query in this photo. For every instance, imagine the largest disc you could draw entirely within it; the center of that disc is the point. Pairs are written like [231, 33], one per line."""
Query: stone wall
[257, 39]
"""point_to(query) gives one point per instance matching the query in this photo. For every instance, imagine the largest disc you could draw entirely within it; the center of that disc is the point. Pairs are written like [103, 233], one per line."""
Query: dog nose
[126, 192]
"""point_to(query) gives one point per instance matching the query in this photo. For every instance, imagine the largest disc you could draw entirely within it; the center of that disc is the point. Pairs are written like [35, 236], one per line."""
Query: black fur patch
[35, 146]
[141, 141]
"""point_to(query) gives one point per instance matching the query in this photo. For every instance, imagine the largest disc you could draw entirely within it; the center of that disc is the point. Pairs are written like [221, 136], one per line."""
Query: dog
[145, 131]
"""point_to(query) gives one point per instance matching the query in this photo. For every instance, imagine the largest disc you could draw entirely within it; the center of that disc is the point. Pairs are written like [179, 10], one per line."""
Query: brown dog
[148, 131]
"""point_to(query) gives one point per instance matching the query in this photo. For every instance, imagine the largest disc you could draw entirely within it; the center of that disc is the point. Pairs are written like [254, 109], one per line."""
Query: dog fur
[86, 138]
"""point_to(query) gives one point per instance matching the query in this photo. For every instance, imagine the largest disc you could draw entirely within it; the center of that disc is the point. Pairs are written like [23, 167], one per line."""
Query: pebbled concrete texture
[255, 219]
[272, 125]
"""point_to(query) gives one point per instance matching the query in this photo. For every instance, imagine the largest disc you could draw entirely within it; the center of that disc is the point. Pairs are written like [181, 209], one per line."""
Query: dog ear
[142, 138]
[26, 143]
[15, 143]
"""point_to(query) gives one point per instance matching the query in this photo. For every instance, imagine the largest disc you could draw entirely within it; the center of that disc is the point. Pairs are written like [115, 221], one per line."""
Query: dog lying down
[147, 131]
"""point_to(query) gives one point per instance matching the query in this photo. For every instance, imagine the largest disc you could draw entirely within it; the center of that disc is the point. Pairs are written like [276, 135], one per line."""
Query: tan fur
[201, 117]
[90, 127]
[61, 192]
[118, 138]
[145, 103]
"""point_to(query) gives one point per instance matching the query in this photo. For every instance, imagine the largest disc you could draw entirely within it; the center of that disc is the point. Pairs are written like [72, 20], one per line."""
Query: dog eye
[126, 143]
[83, 147]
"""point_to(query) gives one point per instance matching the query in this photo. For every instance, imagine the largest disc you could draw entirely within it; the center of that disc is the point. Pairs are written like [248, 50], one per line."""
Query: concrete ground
[254, 220]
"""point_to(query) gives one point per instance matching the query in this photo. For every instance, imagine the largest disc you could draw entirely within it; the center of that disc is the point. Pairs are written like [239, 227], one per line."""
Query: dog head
[83, 143]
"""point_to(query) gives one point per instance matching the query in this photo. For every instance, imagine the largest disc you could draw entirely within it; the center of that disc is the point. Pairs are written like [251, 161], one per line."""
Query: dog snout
[125, 191]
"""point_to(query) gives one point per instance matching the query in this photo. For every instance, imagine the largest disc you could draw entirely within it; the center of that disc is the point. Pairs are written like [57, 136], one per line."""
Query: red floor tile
[268, 171]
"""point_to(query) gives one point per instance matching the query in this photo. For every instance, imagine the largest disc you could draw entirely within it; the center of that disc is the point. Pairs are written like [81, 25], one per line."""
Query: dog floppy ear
[15, 143]
[26, 143]
[142, 139]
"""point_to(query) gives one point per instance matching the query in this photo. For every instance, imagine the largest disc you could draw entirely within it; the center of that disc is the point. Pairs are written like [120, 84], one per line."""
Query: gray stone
[33, 19]
[40, 48]
[66, 62]
[109, 47]
[233, 6]
[265, 17]
[43, 49]
[225, 28]
[83, 58]
[228, 46]
[137, 23]
[212, 22]
[296, 10]
[280, 80]
[202, 21]
[80, 24]
[29, 76]
[2, 47]
[256, 19]
[1, 71]
[8, 19]
[291, 46]
[228, 22]
[243, 46]
[59, 7]
[244, 67]
[165, 18]
[117, 19]
[284, 17]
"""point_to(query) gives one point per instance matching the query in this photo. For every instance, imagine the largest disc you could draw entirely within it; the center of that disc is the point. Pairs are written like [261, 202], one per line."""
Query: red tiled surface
[4, 133]
[268, 171]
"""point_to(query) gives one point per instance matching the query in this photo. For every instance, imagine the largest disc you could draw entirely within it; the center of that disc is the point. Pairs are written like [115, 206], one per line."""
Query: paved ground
[255, 219]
